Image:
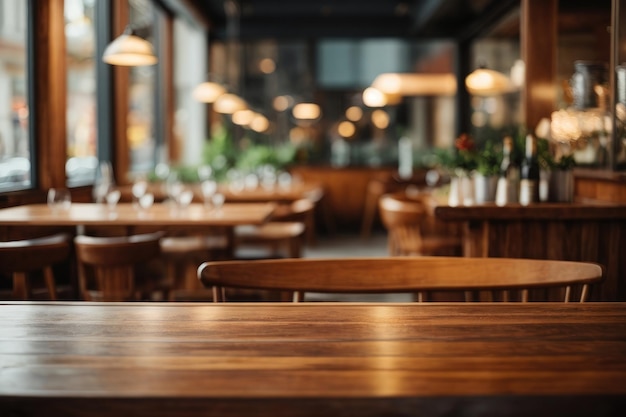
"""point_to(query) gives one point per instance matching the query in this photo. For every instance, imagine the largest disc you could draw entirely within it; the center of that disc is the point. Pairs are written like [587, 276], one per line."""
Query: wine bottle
[504, 180]
[529, 174]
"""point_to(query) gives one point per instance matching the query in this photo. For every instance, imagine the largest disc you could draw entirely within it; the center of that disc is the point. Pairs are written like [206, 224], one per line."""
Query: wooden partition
[573, 232]
[345, 190]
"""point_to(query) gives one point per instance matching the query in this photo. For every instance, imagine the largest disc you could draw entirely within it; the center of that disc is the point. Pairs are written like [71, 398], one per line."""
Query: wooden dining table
[126, 214]
[315, 359]
[131, 218]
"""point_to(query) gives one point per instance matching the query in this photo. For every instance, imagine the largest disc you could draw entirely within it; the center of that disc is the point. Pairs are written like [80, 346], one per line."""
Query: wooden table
[162, 216]
[259, 194]
[561, 231]
[124, 214]
[317, 359]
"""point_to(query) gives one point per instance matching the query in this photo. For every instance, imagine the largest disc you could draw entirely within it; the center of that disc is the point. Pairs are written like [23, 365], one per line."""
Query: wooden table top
[124, 214]
[316, 359]
[259, 194]
[289, 193]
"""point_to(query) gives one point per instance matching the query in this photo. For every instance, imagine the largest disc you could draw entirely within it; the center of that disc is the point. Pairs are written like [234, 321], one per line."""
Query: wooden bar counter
[315, 359]
[573, 232]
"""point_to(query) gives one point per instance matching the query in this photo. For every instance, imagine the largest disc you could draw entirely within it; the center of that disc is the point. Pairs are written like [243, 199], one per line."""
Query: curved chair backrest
[106, 265]
[400, 275]
[19, 257]
[403, 220]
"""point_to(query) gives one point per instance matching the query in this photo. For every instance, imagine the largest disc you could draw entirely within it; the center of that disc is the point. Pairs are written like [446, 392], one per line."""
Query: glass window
[141, 114]
[15, 155]
[190, 60]
[81, 92]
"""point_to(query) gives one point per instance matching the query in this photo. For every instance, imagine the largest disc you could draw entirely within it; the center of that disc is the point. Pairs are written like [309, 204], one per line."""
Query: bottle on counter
[508, 181]
[529, 174]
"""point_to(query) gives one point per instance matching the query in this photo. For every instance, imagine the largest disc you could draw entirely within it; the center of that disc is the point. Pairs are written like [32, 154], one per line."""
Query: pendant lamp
[129, 50]
[486, 82]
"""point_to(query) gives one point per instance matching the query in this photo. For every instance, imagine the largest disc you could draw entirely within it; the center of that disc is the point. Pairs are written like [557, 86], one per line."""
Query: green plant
[255, 156]
[219, 152]
[549, 162]
[461, 157]
[488, 160]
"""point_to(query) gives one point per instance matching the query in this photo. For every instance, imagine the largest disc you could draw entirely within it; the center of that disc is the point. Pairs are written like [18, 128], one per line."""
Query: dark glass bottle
[529, 174]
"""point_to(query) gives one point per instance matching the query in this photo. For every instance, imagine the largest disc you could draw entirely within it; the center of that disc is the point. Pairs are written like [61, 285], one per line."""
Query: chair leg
[50, 284]
[369, 213]
[21, 288]
[295, 247]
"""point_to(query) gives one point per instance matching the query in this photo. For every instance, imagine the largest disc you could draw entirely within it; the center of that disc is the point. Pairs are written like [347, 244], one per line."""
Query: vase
[484, 188]
[461, 191]
[561, 187]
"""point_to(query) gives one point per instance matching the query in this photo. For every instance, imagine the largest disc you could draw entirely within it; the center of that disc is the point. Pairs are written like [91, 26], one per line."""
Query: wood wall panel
[345, 190]
[539, 30]
[600, 185]
[572, 232]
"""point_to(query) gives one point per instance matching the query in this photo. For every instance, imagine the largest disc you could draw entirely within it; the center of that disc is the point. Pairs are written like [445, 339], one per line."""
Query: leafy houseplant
[561, 182]
[461, 159]
[488, 161]
[487, 170]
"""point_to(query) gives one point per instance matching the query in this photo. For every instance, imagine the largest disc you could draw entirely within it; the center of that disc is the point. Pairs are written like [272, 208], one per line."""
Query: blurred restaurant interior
[359, 98]
[313, 208]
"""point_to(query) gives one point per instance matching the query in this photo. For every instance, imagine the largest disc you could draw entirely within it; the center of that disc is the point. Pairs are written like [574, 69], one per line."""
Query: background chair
[287, 230]
[403, 275]
[120, 268]
[20, 258]
[413, 229]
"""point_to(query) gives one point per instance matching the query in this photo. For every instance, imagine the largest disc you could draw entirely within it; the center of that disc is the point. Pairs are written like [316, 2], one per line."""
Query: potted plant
[486, 175]
[460, 162]
[558, 164]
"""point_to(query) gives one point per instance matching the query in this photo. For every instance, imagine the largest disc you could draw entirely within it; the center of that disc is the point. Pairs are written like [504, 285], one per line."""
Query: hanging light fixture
[373, 97]
[306, 111]
[229, 103]
[130, 50]
[208, 91]
[413, 84]
[485, 82]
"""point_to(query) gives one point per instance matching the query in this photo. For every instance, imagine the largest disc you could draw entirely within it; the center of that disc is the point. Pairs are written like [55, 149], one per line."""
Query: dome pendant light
[129, 50]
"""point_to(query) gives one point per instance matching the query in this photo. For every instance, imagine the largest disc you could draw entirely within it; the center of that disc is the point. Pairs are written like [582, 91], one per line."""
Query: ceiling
[417, 19]
[305, 19]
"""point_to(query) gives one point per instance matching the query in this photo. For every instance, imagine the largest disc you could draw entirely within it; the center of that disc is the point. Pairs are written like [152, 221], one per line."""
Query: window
[140, 131]
[189, 70]
[81, 92]
[15, 157]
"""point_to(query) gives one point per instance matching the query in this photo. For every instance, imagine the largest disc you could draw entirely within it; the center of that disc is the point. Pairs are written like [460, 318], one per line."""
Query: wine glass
[103, 181]
[184, 198]
[208, 187]
[59, 199]
[112, 198]
[146, 201]
[139, 189]
[218, 201]
[173, 187]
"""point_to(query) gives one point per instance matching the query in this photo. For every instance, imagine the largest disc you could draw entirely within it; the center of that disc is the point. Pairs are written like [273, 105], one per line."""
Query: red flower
[465, 143]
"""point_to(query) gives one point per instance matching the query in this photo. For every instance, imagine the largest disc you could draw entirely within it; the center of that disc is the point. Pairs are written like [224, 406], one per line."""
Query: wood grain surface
[570, 232]
[125, 214]
[91, 359]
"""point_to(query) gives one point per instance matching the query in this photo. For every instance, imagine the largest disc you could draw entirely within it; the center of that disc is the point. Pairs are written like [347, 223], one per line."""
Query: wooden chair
[411, 227]
[119, 268]
[18, 258]
[286, 230]
[402, 275]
